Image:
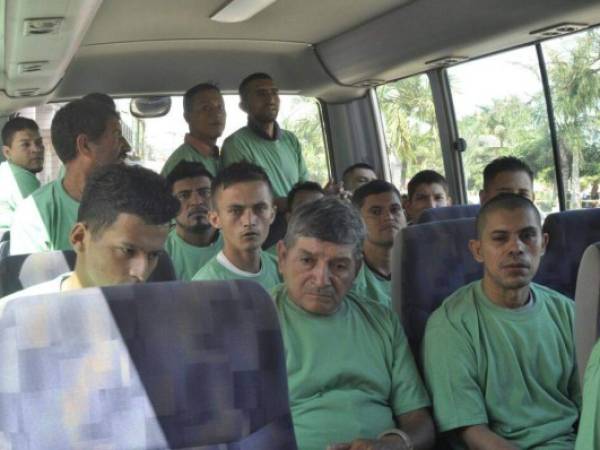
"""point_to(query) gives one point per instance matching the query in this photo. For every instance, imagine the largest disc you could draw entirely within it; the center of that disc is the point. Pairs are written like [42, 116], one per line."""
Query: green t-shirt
[185, 152]
[588, 436]
[349, 374]
[514, 370]
[43, 221]
[16, 184]
[369, 284]
[219, 268]
[188, 259]
[281, 159]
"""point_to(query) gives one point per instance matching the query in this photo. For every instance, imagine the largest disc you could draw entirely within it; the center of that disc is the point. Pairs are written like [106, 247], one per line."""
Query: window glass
[573, 65]
[153, 140]
[501, 111]
[409, 123]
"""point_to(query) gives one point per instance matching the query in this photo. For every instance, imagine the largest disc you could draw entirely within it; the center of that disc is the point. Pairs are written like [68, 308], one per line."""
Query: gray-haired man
[352, 379]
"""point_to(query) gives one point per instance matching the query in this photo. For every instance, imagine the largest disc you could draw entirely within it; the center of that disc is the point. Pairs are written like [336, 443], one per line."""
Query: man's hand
[337, 189]
[386, 443]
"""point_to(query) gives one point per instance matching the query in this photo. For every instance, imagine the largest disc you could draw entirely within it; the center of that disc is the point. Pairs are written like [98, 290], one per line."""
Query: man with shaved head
[498, 354]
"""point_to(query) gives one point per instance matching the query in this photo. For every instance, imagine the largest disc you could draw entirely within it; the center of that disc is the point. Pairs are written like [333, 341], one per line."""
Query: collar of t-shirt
[201, 146]
[528, 305]
[222, 259]
[375, 271]
[260, 132]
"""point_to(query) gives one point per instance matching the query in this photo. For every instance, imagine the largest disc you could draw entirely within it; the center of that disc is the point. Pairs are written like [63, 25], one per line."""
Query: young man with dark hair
[121, 227]
[507, 175]
[262, 141]
[380, 207]
[242, 209]
[204, 112]
[193, 241]
[108, 101]
[23, 149]
[427, 189]
[302, 193]
[358, 174]
[85, 135]
[499, 353]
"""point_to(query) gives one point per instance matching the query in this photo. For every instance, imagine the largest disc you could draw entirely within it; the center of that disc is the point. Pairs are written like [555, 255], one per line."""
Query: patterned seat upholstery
[430, 261]
[448, 213]
[570, 232]
[21, 271]
[587, 306]
[195, 366]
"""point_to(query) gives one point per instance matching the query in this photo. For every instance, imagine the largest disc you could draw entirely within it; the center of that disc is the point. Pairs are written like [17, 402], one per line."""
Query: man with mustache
[204, 111]
[242, 210]
[86, 135]
[23, 149]
[193, 241]
[380, 206]
[499, 353]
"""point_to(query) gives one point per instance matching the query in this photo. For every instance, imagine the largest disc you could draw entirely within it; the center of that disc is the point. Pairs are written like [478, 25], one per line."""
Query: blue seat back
[430, 261]
[151, 366]
[448, 213]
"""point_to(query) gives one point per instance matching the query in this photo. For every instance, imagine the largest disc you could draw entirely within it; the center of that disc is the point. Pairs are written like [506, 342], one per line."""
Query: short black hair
[102, 98]
[239, 172]
[360, 165]
[14, 125]
[118, 188]
[187, 169]
[188, 97]
[505, 201]
[243, 89]
[372, 188]
[426, 177]
[302, 186]
[504, 164]
[75, 118]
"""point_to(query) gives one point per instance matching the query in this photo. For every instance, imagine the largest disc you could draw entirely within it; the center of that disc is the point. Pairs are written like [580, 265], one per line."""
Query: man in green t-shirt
[204, 112]
[193, 240]
[357, 175]
[380, 206]
[85, 135]
[262, 141]
[23, 149]
[499, 354]
[588, 435]
[507, 174]
[427, 189]
[242, 209]
[353, 383]
[121, 227]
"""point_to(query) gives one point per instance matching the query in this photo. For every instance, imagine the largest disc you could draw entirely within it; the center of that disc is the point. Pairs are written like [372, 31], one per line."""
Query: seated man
[262, 142]
[588, 435]
[352, 379]
[356, 175]
[108, 101]
[242, 209]
[85, 135]
[193, 241]
[380, 206]
[204, 112]
[499, 353]
[24, 152]
[122, 224]
[427, 189]
[506, 174]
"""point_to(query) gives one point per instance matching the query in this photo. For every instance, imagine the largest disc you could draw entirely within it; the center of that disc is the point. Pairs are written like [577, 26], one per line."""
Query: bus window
[573, 65]
[501, 111]
[412, 137]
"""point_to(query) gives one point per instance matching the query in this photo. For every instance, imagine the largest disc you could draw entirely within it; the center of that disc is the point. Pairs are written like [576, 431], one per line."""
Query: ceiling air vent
[560, 29]
[29, 92]
[446, 61]
[31, 67]
[42, 26]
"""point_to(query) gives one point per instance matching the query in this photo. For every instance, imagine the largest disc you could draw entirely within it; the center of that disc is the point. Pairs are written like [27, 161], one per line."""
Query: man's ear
[273, 214]
[6, 152]
[481, 197]
[243, 106]
[186, 117]
[475, 247]
[213, 218]
[545, 240]
[78, 237]
[82, 145]
[282, 253]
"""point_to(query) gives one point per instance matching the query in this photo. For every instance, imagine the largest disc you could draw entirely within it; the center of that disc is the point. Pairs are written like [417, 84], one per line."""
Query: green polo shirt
[43, 221]
[187, 258]
[280, 158]
[219, 268]
[371, 285]
[588, 435]
[349, 373]
[185, 152]
[513, 370]
[16, 183]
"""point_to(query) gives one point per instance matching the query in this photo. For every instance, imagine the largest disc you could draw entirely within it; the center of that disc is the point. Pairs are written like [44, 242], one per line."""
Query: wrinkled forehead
[321, 249]
[510, 220]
